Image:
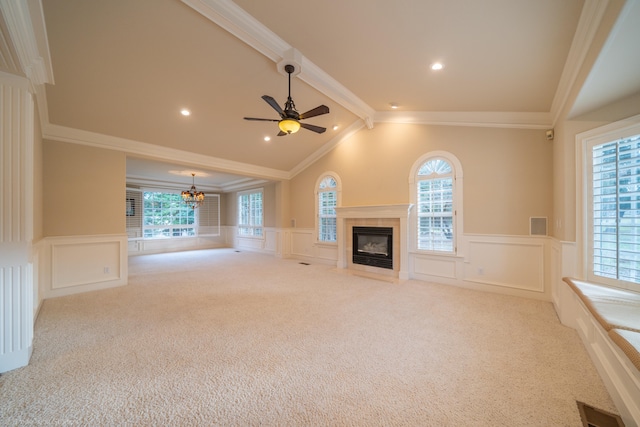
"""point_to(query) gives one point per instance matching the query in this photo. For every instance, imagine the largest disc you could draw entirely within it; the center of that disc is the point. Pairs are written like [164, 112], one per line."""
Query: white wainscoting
[434, 268]
[507, 261]
[76, 264]
[616, 370]
[269, 243]
[304, 247]
[618, 374]
[138, 246]
[563, 264]
[302, 243]
[514, 265]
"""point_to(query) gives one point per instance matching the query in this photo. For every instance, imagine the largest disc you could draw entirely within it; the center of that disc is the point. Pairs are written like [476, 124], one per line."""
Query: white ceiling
[123, 70]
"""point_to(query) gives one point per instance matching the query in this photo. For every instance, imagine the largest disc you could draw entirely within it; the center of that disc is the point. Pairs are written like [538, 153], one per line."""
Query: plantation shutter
[133, 213]
[209, 215]
[616, 207]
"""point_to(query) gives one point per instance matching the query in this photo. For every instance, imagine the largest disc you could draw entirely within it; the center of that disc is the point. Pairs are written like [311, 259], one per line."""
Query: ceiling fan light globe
[289, 125]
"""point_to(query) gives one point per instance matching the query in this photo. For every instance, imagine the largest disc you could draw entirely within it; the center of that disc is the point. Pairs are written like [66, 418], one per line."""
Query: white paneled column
[16, 221]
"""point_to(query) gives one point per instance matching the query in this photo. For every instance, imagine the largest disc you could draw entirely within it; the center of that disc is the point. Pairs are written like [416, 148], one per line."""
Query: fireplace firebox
[373, 246]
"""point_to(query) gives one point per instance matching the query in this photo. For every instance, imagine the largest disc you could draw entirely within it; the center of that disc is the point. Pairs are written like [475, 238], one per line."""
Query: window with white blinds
[133, 213]
[250, 213]
[209, 216]
[327, 200]
[615, 210]
[435, 206]
[160, 214]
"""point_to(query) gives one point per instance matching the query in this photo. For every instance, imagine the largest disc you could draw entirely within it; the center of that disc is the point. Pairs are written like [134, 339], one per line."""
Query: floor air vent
[593, 417]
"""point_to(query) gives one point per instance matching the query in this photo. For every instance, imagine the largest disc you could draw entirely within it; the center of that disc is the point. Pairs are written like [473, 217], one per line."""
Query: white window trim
[240, 193]
[316, 190]
[584, 143]
[457, 197]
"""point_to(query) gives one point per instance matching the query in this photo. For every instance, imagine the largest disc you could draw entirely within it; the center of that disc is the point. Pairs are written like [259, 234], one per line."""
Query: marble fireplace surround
[395, 216]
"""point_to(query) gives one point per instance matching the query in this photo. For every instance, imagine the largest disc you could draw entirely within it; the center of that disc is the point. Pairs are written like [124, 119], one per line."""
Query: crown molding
[588, 24]
[28, 33]
[237, 185]
[143, 149]
[245, 27]
[516, 120]
[145, 182]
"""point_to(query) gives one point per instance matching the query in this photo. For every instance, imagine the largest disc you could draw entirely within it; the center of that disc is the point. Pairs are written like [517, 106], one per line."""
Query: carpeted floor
[219, 337]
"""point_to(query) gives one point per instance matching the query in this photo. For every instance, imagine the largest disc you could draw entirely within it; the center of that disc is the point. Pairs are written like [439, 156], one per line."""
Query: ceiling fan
[289, 121]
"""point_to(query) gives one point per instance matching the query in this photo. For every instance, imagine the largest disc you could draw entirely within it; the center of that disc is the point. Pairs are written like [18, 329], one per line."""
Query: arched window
[436, 188]
[327, 198]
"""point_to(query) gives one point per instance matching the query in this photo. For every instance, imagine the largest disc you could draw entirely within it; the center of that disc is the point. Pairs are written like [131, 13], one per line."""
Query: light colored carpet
[218, 337]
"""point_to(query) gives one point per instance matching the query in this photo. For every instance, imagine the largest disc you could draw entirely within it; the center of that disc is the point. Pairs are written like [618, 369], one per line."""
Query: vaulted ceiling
[122, 71]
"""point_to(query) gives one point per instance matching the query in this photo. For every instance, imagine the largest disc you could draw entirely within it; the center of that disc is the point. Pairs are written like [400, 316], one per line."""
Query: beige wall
[507, 173]
[84, 190]
[565, 159]
[269, 206]
[564, 168]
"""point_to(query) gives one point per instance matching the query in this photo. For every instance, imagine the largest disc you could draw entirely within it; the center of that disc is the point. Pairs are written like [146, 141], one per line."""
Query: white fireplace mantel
[400, 211]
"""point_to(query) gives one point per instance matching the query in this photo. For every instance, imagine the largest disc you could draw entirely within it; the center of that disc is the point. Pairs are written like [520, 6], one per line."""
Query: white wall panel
[327, 253]
[270, 240]
[250, 244]
[154, 246]
[508, 262]
[83, 263]
[302, 242]
[434, 267]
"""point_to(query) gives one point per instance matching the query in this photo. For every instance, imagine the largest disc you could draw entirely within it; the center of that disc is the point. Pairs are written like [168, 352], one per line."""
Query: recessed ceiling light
[335, 127]
[267, 138]
[437, 66]
[185, 112]
[394, 105]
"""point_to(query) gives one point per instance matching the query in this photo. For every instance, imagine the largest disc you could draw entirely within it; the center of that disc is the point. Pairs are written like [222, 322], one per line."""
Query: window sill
[327, 244]
[242, 236]
[437, 254]
[150, 239]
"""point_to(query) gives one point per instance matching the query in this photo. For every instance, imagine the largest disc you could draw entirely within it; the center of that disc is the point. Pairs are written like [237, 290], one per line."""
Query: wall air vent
[538, 226]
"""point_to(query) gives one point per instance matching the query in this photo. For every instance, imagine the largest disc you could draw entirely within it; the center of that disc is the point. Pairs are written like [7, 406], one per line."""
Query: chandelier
[192, 197]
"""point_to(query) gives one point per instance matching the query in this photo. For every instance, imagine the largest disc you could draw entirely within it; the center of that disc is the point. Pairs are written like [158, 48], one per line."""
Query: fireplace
[373, 246]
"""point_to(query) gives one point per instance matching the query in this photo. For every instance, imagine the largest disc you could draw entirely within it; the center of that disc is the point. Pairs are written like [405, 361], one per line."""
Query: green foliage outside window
[166, 215]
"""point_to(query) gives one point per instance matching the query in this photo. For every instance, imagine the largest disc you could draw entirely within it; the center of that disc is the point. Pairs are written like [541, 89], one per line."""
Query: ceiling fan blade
[261, 120]
[323, 109]
[313, 128]
[273, 104]
[282, 133]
